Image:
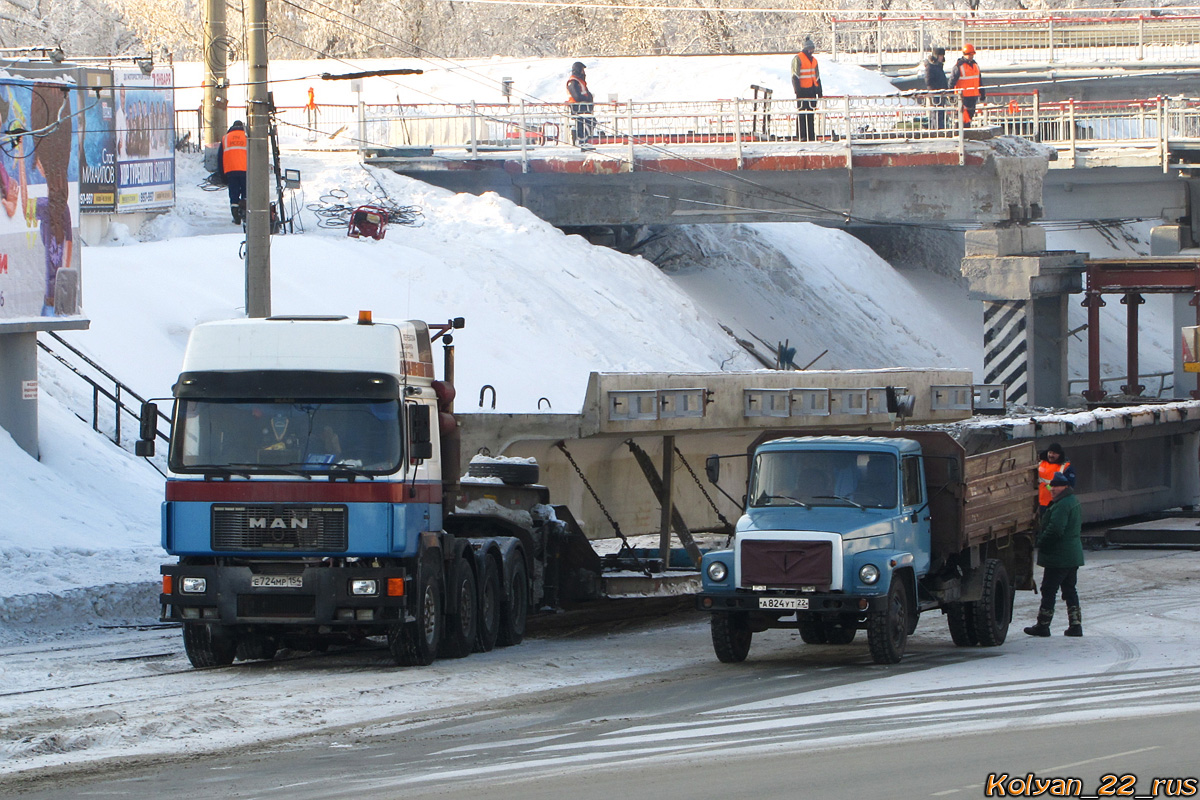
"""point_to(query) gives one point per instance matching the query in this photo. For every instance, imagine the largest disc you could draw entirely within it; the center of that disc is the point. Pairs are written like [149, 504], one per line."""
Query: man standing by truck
[1060, 554]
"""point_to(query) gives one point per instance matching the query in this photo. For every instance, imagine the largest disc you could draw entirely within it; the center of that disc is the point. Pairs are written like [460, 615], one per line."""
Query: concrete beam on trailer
[705, 413]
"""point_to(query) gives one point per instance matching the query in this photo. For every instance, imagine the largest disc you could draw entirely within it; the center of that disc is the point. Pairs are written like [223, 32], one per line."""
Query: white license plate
[789, 603]
[276, 582]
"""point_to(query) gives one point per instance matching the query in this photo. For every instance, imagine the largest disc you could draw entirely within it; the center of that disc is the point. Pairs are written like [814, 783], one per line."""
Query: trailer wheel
[205, 648]
[510, 472]
[731, 636]
[960, 618]
[489, 608]
[459, 636]
[256, 647]
[515, 609]
[887, 631]
[415, 644]
[993, 612]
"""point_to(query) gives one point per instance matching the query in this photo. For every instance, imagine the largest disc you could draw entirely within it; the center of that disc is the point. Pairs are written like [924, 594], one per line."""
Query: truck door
[912, 527]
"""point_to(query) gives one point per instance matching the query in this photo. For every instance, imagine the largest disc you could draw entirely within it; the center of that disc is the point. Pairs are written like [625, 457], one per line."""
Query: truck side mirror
[712, 468]
[421, 430]
[148, 430]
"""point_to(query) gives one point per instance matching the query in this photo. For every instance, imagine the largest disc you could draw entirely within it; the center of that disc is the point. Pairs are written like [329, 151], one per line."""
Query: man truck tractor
[865, 532]
[315, 498]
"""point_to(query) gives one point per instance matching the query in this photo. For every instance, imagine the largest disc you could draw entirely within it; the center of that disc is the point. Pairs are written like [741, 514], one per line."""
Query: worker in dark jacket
[966, 79]
[581, 104]
[806, 82]
[232, 158]
[1060, 554]
[935, 81]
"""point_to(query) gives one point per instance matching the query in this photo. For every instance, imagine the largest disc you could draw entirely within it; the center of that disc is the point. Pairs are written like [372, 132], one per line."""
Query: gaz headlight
[194, 585]
[364, 587]
[717, 572]
[868, 574]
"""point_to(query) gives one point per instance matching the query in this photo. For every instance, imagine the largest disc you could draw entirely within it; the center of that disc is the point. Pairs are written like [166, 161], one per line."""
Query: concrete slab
[1170, 530]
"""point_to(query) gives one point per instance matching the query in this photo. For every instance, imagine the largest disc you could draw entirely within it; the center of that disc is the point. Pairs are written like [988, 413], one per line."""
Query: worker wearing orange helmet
[968, 82]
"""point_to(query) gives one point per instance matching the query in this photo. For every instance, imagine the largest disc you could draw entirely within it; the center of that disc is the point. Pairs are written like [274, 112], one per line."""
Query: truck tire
[510, 472]
[839, 631]
[812, 631]
[488, 626]
[993, 611]
[256, 647]
[731, 636]
[515, 609]
[205, 648]
[415, 644]
[458, 639]
[960, 618]
[887, 630]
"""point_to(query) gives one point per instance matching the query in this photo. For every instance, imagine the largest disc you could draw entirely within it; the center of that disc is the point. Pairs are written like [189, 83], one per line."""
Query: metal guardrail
[1163, 386]
[1150, 127]
[105, 386]
[1019, 39]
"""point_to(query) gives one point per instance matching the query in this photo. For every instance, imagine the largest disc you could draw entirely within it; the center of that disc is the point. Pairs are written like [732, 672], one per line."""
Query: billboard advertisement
[97, 143]
[39, 196]
[145, 138]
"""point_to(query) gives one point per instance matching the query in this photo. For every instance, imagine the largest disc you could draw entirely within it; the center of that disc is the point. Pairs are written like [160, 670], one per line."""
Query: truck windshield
[287, 436]
[824, 478]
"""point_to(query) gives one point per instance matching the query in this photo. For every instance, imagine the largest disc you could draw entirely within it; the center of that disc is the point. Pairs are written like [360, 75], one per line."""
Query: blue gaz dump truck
[842, 533]
[315, 498]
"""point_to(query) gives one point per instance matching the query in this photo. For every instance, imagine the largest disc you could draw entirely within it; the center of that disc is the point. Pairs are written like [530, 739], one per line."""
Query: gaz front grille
[290, 528]
[786, 563]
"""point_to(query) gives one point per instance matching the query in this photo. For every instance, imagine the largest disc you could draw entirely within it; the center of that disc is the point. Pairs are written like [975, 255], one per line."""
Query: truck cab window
[910, 466]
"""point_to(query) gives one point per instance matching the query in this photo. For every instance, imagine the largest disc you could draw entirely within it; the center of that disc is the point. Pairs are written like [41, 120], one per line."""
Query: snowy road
[113, 710]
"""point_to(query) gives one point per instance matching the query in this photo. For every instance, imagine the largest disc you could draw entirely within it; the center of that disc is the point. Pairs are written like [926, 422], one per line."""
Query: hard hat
[969, 49]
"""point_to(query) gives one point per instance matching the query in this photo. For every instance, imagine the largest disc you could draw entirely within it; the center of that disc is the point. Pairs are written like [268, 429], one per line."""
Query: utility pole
[258, 199]
[216, 82]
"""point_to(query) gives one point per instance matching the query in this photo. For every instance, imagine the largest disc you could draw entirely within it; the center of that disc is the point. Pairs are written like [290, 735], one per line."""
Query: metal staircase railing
[111, 391]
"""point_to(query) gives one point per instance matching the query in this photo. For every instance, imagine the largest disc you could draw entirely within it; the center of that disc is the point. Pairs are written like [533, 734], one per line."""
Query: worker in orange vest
[1052, 461]
[232, 157]
[581, 105]
[967, 80]
[806, 82]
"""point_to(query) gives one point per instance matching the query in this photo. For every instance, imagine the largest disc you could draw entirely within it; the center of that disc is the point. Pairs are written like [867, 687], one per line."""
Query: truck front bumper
[321, 596]
[815, 603]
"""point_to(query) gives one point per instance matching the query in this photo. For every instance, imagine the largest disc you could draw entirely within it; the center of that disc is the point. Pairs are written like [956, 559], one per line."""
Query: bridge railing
[1013, 39]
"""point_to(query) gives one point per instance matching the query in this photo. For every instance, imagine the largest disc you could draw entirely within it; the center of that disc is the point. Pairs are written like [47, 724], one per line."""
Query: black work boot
[236, 211]
[1074, 621]
[1042, 628]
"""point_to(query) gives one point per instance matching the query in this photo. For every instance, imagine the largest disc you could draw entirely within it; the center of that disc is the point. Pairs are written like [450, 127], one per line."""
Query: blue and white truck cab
[841, 533]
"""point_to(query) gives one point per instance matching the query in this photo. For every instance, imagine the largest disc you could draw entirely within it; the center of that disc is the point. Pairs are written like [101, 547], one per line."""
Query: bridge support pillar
[1024, 289]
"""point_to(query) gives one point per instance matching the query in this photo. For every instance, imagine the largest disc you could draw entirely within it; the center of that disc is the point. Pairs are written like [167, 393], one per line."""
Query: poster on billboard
[97, 143]
[145, 133]
[39, 185]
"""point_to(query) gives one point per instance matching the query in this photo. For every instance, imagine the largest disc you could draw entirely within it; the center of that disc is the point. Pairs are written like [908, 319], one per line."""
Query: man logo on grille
[278, 523]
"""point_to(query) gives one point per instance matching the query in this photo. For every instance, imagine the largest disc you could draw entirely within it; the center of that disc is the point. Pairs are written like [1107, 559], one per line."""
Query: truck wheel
[960, 617]
[489, 608]
[207, 645]
[731, 636]
[839, 631]
[459, 636]
[256, 647]
[510, 472]
[515, 609]
[993, 611]
[813, 631]
[415, 644]
[887, 631]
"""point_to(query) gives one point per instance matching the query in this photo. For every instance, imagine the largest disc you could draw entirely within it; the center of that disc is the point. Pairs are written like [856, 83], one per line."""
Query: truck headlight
[364, 587]
[869, 574]
[194, 585]
[717, 572]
